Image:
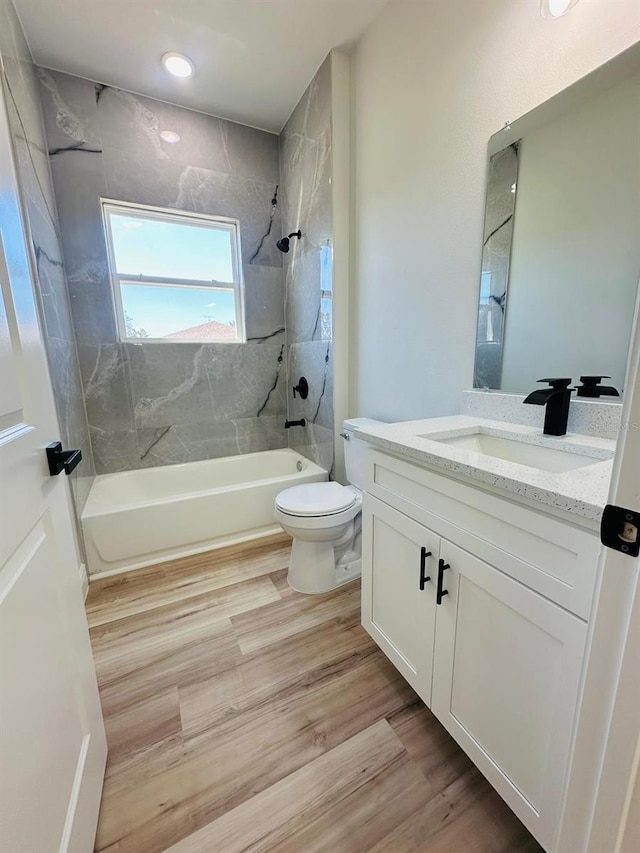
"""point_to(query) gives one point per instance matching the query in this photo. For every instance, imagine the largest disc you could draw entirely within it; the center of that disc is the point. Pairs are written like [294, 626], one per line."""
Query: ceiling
[253, 58]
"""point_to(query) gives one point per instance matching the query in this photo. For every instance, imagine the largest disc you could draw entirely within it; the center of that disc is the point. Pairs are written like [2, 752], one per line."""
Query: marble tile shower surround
[25, 121]
[153, 404]
[305, 169]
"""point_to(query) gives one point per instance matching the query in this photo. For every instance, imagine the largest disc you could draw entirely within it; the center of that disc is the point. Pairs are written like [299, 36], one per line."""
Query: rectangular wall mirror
[561, 243]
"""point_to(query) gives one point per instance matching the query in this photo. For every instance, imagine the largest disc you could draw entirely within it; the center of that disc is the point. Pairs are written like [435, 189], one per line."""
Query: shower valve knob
[302, 388]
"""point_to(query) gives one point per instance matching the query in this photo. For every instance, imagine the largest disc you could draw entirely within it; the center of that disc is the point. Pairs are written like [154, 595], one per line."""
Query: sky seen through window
[156, 248]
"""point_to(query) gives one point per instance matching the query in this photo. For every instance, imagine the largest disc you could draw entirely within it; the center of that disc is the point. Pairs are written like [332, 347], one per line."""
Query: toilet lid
[315, 499]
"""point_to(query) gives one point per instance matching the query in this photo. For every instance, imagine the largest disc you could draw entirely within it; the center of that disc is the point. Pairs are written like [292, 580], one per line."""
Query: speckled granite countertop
[581, 492]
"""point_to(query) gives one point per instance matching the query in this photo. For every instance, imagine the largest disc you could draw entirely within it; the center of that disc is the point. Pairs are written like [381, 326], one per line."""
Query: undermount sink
[551, 459]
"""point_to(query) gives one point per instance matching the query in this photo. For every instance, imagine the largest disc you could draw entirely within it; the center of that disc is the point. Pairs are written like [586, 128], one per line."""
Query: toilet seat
[313, 500]
[308, 523]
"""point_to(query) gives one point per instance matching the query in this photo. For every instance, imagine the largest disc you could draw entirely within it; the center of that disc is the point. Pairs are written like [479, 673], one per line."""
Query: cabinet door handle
[423, 565]
[442, 568]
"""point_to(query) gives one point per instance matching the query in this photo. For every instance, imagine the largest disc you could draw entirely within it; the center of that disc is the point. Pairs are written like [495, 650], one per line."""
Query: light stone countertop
[581, 492]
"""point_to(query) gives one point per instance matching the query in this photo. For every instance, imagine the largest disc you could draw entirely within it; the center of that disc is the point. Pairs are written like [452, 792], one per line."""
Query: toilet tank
[354, 450]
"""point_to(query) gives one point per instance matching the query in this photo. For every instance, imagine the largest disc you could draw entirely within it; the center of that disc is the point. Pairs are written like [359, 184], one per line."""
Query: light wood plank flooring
[244, 716]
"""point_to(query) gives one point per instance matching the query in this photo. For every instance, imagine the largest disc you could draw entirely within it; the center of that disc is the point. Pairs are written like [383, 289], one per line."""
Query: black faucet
[288, 424]
[591, 387]
[556, 399]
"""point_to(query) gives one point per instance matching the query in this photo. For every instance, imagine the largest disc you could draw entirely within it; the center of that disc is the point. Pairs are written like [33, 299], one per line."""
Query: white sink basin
[551, 459]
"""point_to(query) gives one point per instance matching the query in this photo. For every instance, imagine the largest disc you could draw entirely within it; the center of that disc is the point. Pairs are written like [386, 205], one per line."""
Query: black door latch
[620, 530]
[62, 460]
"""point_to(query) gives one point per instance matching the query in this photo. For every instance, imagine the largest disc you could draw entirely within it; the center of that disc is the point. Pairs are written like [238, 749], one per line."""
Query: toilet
[325, 522]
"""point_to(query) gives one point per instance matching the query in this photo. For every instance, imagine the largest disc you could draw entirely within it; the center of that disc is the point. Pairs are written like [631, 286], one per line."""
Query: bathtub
[137, 518]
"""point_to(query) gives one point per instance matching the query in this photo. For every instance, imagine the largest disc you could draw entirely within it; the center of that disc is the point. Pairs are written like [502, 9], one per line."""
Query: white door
[505, 684]
[52, 742]
[603, 800]
[399, 566]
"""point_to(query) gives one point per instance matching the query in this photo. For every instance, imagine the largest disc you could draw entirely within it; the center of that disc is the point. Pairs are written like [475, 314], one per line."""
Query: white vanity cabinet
[498, 660]
[400, 613]
[505, 684]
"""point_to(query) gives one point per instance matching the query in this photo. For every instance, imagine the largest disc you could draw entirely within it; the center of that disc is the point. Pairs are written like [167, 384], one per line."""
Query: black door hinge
[620, 530]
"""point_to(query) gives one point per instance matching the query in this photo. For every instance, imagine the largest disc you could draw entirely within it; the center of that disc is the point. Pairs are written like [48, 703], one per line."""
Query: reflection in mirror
[496, 252]
[561, 244]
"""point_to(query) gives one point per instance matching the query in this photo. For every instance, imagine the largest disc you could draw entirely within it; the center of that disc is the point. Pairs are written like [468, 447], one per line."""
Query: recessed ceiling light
[178, 64]
[169, 136]
[556, 8]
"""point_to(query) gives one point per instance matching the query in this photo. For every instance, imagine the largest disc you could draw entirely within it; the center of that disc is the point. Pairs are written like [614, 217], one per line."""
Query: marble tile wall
[153, 404]
[25, 119]
[305, 169]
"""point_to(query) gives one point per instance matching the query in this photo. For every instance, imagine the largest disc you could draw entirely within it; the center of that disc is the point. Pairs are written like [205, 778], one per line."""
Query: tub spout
[288, 424]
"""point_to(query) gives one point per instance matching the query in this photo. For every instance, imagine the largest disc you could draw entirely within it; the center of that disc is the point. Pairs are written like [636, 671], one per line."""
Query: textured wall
[154, 404]
[25, 121]
[424, 111]
[305, 167]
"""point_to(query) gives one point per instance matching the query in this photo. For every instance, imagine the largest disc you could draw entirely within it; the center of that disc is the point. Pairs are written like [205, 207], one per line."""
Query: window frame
[167, 214]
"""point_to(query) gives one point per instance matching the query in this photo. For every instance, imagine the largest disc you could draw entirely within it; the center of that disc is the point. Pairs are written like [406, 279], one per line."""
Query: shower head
[283, 244]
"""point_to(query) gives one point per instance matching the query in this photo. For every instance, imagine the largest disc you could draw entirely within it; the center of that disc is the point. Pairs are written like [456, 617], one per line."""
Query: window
[175, 276]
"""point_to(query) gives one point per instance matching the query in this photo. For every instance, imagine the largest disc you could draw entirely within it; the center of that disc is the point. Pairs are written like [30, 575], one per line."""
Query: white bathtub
[137, 518]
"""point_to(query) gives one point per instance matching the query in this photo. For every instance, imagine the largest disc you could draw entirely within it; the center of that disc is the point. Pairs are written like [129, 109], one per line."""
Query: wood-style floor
[244, 716]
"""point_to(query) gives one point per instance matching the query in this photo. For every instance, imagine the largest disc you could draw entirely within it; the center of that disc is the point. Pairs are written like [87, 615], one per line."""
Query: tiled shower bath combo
[140, 404]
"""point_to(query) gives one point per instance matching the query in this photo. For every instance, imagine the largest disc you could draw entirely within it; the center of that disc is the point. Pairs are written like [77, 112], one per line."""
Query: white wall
[575, 256]
[432, 82]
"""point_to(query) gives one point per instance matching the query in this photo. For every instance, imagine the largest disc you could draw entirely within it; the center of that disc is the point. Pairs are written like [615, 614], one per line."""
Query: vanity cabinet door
[506, 678]
[399, 563]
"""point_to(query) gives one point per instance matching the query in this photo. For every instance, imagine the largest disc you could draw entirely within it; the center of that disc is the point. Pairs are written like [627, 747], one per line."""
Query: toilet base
[313, 568]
